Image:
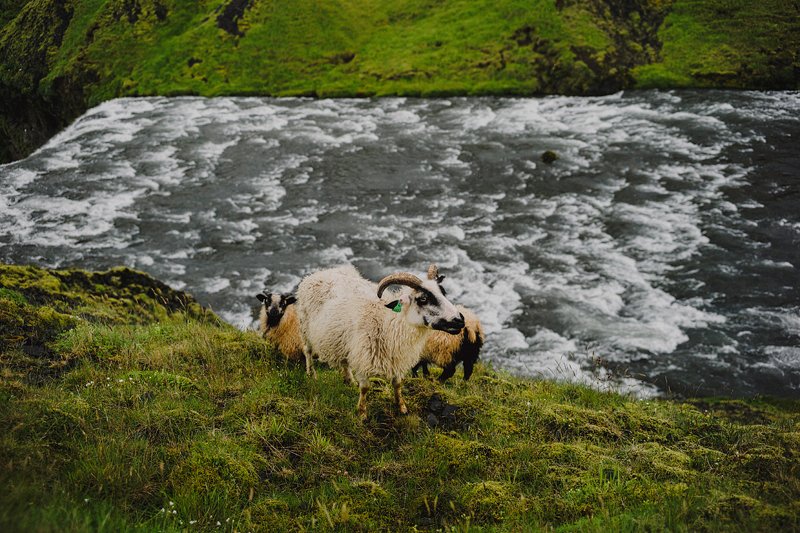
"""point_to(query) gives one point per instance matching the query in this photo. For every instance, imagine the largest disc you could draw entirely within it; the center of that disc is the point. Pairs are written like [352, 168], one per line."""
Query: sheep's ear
[291, 299]
[440, 279]
[261, 296]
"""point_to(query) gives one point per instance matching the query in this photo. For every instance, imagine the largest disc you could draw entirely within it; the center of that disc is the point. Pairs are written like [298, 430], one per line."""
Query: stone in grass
[439, 413]
[549, 156]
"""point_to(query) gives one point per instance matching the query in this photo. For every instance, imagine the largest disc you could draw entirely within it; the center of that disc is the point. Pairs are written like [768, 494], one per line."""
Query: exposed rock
[549, 156]
[440, 414]
[228, 20]
[342, 58]
[130, 9]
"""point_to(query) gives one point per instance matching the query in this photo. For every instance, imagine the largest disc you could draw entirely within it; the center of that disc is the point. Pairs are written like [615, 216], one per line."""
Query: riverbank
[61, 57]
[125, 404]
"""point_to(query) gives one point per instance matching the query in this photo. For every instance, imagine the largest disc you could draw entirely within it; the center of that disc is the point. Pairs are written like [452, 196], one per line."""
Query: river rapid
[659, 254]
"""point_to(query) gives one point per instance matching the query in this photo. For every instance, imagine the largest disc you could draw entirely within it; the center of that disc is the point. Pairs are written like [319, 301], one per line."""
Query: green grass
[60, 57]
[727, 44]
[178, 422]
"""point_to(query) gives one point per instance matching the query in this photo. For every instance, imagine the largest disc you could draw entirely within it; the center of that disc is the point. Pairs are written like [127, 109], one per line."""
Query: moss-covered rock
[487, 501]
[119, 295]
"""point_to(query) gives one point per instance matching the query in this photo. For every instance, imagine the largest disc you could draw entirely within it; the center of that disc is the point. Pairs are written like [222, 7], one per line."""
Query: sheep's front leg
[448, 371]
[363, 387]
[398, 395]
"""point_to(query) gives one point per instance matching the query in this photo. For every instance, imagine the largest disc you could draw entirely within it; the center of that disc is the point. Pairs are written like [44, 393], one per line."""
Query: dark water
[663, 241]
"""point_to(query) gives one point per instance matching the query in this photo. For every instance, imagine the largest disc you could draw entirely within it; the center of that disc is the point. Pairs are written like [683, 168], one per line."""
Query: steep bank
[59, 56]
[124, 405]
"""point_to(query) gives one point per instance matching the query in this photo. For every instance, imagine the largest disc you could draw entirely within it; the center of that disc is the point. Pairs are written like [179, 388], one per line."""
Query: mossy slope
[59, 56]
[171, 420]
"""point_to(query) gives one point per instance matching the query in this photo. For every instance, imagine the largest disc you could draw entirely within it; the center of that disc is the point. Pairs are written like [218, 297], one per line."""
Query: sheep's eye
[422, 300]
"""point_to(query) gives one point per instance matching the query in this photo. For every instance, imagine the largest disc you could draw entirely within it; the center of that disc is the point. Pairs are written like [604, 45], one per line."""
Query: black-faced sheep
[277, 323]
[447, 351]
[346, 324]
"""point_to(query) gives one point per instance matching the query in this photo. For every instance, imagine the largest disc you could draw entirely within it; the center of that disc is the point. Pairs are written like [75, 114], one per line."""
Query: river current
[659, 254]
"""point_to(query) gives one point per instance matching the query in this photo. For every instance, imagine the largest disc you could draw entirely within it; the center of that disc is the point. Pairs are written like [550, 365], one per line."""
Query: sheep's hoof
[403, 409]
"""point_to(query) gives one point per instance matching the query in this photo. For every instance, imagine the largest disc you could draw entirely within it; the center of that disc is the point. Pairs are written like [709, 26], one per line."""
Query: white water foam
[562, 262]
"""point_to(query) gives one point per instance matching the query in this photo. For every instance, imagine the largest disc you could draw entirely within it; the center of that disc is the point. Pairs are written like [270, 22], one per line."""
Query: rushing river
[659, 253]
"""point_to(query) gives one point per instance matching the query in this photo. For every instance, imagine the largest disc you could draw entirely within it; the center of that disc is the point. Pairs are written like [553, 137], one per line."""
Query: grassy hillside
[123, 404]
[59, 56]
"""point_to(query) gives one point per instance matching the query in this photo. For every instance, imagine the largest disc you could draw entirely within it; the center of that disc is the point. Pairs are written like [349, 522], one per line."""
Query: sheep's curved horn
[433, 271]
[399, 278]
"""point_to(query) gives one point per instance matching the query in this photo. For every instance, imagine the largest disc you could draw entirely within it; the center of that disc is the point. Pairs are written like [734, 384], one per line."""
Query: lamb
[346, 324]
[447, 351]
[277, 323]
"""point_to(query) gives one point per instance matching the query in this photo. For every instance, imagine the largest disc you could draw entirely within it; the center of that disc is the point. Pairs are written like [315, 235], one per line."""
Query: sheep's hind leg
[363, 387]
[310, 370]
[398, 395]
[347, 374]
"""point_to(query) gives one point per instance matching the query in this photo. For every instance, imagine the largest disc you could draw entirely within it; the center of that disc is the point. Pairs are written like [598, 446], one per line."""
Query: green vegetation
[59, 56]
[121, 409]
[727, 44]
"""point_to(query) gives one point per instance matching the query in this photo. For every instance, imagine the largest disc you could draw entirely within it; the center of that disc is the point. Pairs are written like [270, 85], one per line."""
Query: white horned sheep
[277, 323]
[346, 324]
[447, 351]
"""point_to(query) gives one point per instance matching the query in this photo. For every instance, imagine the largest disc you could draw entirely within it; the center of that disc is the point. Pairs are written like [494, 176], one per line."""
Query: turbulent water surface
[659, 253]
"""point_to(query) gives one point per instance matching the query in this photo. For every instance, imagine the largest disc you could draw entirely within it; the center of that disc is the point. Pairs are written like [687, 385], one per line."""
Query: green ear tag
[397, 307]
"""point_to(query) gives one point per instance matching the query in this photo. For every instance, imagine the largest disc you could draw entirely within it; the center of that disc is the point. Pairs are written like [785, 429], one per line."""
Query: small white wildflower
[86, 500]
[192, 522]
[172, 504]
[227, 519]
[174, 511]
[120, 380]
[163, 510]
[218, 523]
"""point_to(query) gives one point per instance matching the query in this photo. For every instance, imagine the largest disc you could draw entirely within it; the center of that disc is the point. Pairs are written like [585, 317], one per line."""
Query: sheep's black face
[275, 305]
[436, 310]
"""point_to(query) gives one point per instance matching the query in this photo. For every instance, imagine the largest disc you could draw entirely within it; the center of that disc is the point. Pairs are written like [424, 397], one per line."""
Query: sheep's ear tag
[395, 306]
